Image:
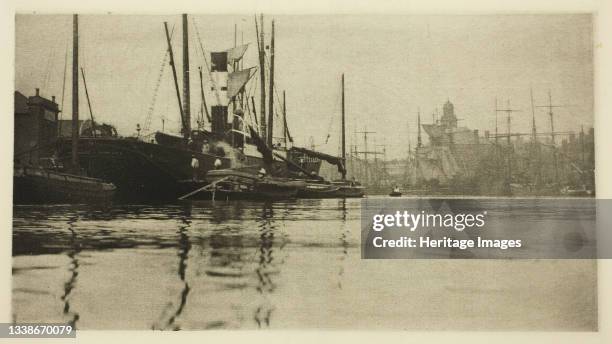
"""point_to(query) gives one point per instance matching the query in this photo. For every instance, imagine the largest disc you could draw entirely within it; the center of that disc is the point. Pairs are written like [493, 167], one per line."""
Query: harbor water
[278, 265]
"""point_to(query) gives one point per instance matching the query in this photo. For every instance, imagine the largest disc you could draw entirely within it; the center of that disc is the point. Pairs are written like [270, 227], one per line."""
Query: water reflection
[344, 233]
[184, 246]
[69, 286]
[226, 246]
[208, 266]
[266, 267]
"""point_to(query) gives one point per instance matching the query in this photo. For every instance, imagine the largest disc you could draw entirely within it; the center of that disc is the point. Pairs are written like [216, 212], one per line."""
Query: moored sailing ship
[459, 161]
[163, 168]
[342, 188]
[38, 176]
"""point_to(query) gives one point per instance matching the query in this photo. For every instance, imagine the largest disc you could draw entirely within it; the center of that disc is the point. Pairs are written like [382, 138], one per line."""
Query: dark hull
[151, 171]
[37, 185]
[140, 170]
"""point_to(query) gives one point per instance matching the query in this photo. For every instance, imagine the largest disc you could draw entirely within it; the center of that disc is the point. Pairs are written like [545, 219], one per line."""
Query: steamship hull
[148, 171]
[140, 170]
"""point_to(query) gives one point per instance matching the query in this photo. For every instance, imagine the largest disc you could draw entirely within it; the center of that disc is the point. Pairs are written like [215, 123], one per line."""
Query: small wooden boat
[336, 189]
[396, 192]
[349, 189]
[40, 185]
[236, 184]
[577, 192]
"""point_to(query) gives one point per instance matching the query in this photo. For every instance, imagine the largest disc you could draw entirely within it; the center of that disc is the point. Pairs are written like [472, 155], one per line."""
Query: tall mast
[419, 142]
[508, 118]
[186, 100]
[496, 133]
[552, 136]
[270, 132]
[343, 134]
[408, 135]
[508, 112]
[262, 78]
[409, 158]
[550, 113]
[176, 87]
[75, 90]
[285, 119]
[550, 107]
[533, 123]
[582, 146]
[535, 156]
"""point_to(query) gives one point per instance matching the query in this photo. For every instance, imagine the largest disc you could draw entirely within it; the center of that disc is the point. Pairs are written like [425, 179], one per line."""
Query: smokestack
[37, 92]
[53, 99]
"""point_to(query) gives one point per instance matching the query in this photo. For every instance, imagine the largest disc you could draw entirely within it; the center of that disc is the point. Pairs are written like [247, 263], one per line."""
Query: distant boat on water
[395, 192]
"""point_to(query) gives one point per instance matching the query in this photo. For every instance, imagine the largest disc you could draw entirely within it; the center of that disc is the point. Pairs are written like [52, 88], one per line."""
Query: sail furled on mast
[237, 80]
[262, 147]
[235, 54]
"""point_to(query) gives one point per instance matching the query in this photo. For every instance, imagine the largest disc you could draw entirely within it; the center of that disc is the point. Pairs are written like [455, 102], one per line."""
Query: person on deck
[195, 166]
[262, 173]
[54, 161]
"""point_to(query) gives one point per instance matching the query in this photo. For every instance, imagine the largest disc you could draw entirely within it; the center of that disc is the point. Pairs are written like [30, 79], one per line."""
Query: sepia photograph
[206, 171]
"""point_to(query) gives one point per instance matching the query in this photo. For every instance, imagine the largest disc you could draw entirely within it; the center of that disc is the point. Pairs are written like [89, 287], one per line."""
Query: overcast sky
[394, 65]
